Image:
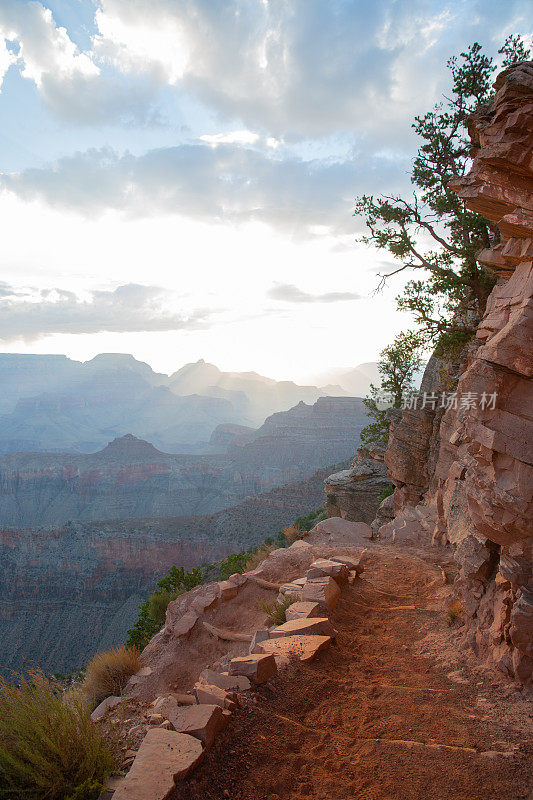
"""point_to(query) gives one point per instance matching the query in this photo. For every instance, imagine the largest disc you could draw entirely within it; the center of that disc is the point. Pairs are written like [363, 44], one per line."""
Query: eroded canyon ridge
[465, 475]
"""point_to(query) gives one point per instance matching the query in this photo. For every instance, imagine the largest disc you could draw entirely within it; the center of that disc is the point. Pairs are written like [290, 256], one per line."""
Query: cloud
[222, 183]
[32, 314]
[289, 293]
[303, 69]
[71, 82]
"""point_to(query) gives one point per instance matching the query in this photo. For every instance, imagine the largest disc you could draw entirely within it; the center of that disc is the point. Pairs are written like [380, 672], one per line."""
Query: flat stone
[306, 648]
[290, 588]
[104, 706]
[302, 610]
[257, 667]
[203, 722]
[184, 625]
[164, 757]
[324, 591]
[304, 627]
[238, 579]
[227, 590]
[203, 602]
[259, 636]
[212, 695]
[351, 563]
[235, 683]
[324, 566]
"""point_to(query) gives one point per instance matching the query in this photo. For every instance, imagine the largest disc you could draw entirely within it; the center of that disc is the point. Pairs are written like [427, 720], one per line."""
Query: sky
[177, 177]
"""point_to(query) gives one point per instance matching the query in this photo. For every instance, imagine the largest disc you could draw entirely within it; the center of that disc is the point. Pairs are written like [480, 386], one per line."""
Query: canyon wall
[470, 466]
[69, 591]
[132, 478]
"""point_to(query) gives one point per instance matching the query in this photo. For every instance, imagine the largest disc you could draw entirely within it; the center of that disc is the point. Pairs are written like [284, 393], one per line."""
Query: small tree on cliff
[397, 366]
[433, 231]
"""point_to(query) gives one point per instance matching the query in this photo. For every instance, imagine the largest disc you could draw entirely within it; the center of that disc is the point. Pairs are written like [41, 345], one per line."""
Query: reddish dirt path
[365, 719]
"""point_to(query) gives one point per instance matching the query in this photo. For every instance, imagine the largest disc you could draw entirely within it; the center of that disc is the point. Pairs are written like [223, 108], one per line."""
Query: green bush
[277, 611]
[89, 790]
[49, 749]
[107, 673]
[387, 491]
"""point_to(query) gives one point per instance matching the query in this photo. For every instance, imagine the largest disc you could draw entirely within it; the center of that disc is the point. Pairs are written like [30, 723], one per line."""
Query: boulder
[304, 627]
[323, 566]
[257, 667]
[302, 610]
[259, 636]
[227, 590]
[232, 683]
[350, 563]
[163, 758]
[324, 591]
[202, 721]
[238, 579]
[212, 695]
[203, 602]
[344, 529]
[104, 706]
[306, 648]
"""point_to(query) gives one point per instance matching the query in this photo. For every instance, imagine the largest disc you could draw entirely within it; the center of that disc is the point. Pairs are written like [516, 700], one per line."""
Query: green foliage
[236, 562]
[450, 296]
[277, 611]
[89, 790]
[48, 748]
[309, 521]
[397, 366]
[387, 491]
[152, 611]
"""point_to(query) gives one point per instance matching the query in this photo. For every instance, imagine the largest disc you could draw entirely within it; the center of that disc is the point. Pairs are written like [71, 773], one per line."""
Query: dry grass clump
[48, 749]
[277, 611]
[294, 532]
[454, 612]
[108, 673]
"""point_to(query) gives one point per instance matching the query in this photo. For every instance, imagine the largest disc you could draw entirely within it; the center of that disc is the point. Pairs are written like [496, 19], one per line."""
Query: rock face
[353, 494]
[314, 436]
[474, 464]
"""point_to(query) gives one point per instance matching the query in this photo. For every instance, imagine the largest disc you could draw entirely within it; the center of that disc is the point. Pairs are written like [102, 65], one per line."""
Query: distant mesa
[128, 447]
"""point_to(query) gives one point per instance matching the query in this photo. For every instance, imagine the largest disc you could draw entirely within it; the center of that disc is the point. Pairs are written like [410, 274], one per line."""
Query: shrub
[236, 562]
[107, 673]
[387, 491]
[48, 749]
[453, 612]
[277, 611]
[158, 603]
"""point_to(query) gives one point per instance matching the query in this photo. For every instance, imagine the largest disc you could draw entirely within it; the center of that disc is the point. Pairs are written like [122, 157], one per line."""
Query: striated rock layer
[353, 493]
[473, 466]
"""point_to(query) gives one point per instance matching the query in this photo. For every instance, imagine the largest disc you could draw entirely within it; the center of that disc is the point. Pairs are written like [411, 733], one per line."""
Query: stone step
[257, 667]
[306, 648]
[163, 758]
[301, 610]
[304, 627]
[324, 591]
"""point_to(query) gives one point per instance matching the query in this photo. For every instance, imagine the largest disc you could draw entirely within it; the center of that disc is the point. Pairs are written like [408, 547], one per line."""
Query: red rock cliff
[472, 467]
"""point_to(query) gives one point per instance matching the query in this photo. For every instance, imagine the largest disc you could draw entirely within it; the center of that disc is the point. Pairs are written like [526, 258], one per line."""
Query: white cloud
[31, 314]
[289, 293]
[232, 137]
[223, 183]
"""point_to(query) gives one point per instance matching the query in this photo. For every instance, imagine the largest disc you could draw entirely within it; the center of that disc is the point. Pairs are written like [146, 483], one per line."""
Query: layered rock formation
[313, 436]
[132, 478]
[67, 592]
[472, 465]
[354, 493]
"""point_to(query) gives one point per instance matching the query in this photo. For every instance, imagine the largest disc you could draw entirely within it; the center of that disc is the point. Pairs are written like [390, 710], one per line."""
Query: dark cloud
[223, 183]
[33, 314]
[289, 293]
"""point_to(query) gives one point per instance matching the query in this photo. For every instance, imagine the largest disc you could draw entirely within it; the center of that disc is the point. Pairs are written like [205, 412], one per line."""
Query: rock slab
[163, 758]
[257, 667]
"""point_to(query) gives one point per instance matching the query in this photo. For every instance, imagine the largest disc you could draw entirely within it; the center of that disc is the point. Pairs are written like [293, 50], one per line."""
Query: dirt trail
[378, 717]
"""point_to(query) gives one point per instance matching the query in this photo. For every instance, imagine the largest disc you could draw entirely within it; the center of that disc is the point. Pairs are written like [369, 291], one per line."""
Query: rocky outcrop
[474, 464]
[354, 493]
